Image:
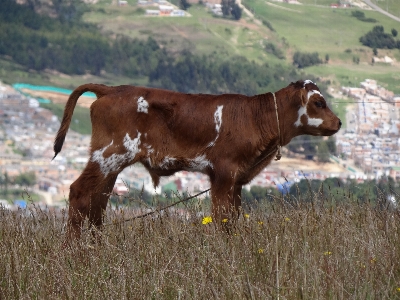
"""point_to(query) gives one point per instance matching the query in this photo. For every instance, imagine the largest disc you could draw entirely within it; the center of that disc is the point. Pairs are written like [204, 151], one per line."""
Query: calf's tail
[99, 89]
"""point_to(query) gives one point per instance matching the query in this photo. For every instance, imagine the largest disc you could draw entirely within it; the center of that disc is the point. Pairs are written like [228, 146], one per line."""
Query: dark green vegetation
[369, 191]
[361, 16]
[377, 38]
[17, 187]
[304, 60]
[230, 9]
[316, 249]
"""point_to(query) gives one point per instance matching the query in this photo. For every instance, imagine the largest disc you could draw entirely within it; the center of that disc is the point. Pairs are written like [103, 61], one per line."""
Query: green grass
[352, 74]
[317, 2]
[392, 6]
[311, 251]
[321, 29]
[202, 33]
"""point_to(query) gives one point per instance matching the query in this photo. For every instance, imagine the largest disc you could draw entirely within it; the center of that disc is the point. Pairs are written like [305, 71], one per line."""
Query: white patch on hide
[150, 150]
[303, 111]
[218, 123]
[142, 105]
[307, 82]
[114, 162]
[199, 163]
[314, 121]
[167, 162]
[310, 93]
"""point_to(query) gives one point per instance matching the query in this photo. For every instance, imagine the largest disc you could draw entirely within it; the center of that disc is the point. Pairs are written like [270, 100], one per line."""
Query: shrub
[303, 60]
[271, 48]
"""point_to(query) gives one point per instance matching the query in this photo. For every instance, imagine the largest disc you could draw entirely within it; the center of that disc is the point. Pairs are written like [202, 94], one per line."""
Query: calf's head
[313, 115]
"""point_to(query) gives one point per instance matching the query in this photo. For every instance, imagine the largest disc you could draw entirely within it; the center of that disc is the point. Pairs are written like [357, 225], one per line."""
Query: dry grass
[317, 250]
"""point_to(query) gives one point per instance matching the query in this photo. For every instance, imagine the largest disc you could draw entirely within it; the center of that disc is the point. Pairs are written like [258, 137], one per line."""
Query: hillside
[265, 39]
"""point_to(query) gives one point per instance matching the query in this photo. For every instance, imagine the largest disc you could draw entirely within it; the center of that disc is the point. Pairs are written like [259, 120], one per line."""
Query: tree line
[384, 192]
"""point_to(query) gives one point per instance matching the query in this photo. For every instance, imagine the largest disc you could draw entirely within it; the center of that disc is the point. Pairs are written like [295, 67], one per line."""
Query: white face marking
[307, 82]
[199, 163]
[142, 105]
[114, 162]
[310, 93]
[303, 111]
[218, 123]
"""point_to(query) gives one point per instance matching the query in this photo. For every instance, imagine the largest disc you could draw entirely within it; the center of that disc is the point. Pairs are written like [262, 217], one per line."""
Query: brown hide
[230, 137]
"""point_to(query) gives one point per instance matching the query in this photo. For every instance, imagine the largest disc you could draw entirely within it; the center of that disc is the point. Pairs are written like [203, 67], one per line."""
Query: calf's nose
[340, 123]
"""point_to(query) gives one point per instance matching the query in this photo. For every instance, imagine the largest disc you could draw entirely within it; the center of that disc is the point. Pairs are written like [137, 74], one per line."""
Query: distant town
[368, 148]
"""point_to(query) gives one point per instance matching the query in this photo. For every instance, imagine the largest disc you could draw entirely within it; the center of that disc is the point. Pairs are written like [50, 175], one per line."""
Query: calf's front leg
[225, 202]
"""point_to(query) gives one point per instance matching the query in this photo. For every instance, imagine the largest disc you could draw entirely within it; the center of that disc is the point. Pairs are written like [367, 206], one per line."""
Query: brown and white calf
[230, 137]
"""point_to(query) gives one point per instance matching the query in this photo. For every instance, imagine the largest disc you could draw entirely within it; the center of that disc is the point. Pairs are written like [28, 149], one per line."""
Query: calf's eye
[319, 104]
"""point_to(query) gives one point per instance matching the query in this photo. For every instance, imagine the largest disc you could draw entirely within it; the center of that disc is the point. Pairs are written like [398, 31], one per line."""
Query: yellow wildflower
[287, 219]
[260, 222]
[398, 289]
[224, 220]
[327, 253]
[246, 216]
[206, 220]
[261, 250]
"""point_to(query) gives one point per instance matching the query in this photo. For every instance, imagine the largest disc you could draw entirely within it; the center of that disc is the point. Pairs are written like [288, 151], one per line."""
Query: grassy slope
[306, 28]
[392, 6]
[331, 31]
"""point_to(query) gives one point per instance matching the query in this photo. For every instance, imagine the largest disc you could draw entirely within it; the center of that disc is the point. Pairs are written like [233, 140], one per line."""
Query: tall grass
[316, 249]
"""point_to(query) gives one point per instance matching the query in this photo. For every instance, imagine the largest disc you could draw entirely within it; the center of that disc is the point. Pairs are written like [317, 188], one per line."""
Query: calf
[230, 137]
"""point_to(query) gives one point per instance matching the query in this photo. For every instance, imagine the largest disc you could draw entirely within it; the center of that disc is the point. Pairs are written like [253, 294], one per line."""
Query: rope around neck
[278, 154]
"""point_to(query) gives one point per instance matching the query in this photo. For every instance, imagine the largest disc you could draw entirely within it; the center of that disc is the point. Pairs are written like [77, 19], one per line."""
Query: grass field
[319, 250]
[391, 6]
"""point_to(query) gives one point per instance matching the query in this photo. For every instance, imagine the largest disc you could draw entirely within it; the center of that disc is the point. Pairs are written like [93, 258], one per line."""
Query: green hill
[267, 42]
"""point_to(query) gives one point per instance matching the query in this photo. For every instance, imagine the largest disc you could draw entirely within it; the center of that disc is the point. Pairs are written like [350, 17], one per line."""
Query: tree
[305, 144]
[25, 179]
[326, 58]
[236, 11]
[231, 9]
[303, 60]
[323, 152]
[331, 143]
[394, 32]
[375, 51]
[377, 38]
[258, 192]
[184, 4]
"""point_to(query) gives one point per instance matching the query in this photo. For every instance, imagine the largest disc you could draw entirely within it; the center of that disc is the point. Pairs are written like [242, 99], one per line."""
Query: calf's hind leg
[88, 198]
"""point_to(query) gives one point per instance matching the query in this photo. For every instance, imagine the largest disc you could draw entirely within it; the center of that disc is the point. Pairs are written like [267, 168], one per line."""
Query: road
[377, 8]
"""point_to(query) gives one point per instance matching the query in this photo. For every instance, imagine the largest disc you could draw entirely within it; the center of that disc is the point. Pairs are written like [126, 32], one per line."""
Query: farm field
[391, 6]
[315, 249]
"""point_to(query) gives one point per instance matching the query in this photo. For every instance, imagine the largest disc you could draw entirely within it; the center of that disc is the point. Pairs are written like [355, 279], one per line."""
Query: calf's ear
[303, 96]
